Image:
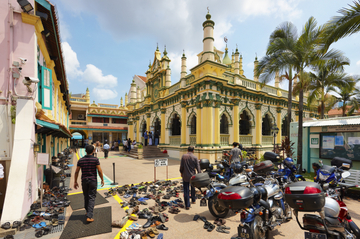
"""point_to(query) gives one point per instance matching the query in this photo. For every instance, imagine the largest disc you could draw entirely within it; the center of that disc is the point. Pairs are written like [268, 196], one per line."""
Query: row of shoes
[219, 223]
[141, 234]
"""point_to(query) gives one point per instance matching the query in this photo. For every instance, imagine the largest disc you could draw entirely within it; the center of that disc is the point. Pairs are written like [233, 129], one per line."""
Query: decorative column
[131, 129]
[236, 120]
[279, 125]
[183, 123]
[208, 41]
[255, 65]
[138, 133]
[208, 123]
[183, 66]
[148, 115]
[163, 124]
[133, 92]
[237, 63]
[198, 124]
[217, 123]
[258, 124]
[297, 115]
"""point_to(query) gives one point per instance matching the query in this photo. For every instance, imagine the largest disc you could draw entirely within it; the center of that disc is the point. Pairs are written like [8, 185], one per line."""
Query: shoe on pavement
[89, 219]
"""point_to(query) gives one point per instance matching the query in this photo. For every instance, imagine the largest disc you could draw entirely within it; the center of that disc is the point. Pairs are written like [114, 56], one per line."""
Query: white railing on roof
[77, 99]
[248, 84]
[174, 88]
[270, 90]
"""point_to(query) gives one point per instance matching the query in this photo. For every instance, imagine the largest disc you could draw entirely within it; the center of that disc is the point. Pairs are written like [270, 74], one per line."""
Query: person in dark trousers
[146, 137]
[129, 145]
[188, 166]
[88, 165]
[106, 149]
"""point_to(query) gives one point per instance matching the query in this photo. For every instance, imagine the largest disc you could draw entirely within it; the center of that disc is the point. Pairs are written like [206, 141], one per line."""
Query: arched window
[285, 127]
[158, 126]
[193, 125]
[266, 125]
[224, 125]
[244, 123]
[176, 125]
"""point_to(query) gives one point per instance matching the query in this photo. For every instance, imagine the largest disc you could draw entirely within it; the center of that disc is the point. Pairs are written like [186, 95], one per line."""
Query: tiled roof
[41, 116]
[338, 111]
[143, 78]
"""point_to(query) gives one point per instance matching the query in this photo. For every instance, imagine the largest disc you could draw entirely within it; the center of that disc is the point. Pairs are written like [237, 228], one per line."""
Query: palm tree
[326, 77]
[349, 96]
[269, 64]
[286, 50]
[345, 25]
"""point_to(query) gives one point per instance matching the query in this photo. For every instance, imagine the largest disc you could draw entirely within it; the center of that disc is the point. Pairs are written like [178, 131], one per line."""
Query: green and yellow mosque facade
[211, 106]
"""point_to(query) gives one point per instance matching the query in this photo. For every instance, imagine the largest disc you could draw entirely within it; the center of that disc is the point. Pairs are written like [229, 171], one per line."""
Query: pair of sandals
[219, 221]
[223, 229]
[174, 210]
[7, 225]
[43, 231]
[162, 227]
[209, 226]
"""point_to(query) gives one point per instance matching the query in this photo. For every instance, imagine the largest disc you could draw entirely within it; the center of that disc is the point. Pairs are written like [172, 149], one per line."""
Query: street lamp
[274, 131]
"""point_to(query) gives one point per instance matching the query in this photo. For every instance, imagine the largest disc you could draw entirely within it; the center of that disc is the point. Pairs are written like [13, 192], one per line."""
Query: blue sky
[106, 43]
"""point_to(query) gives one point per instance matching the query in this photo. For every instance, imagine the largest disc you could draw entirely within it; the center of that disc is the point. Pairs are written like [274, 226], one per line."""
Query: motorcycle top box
[273, 157]
[204, 164]
[264, 167]
[338, 162]
[200, 180]
[236, 197]
[305, 196]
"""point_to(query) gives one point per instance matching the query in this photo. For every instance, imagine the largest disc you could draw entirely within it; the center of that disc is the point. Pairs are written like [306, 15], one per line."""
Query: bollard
[114, 183]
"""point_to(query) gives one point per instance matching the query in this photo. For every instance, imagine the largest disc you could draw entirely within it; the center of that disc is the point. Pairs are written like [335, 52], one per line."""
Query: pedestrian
[150, 138]
[96, 149]
[145, 137]
[234, 154]
[129, 145]
[188, 166]
[156, 136]
[86, 142]
[88, 165]
[106, 149]
[125, 144]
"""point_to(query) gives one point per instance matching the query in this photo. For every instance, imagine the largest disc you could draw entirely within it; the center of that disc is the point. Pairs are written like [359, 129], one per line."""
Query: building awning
[354, 120]
[108, 116]
[99, 129]
[48, 128]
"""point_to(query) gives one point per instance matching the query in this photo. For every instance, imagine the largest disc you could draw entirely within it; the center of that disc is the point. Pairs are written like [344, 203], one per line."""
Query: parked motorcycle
[333, 221]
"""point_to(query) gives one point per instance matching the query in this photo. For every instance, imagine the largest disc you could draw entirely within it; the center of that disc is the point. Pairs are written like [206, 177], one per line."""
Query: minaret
[133, 92]
[237, 67]
[241, 66]
[121, 102]
[126, 99]
[208, 41]
[165, 61]
[87, 95]
[277, 79]
[148, 72]
[168, 77]
[233, 59]
[255, 65]
[138, 93]
[183, 66]
[226, 60]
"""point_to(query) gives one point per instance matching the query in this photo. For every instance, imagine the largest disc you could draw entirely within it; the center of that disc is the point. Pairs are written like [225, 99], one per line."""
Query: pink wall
[15, 42]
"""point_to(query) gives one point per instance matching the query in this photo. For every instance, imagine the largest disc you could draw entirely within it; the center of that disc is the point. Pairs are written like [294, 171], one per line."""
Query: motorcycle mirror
[345, 165]
[325, 186]
[320, 161]
[303, 170]
[345, 174]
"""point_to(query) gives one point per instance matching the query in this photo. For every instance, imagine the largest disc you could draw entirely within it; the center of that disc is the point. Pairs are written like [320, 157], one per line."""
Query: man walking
[146, 137]
[235, 154]
[189, 163]
[88, 165]
[106, 149]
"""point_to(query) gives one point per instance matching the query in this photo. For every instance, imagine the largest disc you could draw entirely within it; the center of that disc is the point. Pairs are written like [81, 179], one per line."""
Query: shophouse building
[34, 102]
[97, 122]
[211, 106]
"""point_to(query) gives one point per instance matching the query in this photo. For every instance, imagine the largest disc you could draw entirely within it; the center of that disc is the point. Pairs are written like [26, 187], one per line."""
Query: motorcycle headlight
[323, 177]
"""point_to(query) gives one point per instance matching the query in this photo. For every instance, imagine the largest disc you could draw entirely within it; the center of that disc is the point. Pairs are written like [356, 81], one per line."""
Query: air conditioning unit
[81, 116]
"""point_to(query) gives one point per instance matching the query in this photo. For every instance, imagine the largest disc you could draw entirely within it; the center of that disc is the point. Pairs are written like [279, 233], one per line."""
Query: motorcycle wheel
[354, 228]
[257, 229]
[215, 209]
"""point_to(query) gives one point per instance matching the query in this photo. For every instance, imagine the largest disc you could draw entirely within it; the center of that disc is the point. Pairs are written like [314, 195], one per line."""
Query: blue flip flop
[160, 236]
[127, 195]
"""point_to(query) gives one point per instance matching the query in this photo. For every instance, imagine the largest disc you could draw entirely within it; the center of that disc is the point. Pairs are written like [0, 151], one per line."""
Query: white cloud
[72, 64]
[104, 94]
[91, 74]
[358, 63]
[94, 75]
[175, 65]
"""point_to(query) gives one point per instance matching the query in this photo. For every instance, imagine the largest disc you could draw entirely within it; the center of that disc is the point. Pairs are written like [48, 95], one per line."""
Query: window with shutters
[46, 86]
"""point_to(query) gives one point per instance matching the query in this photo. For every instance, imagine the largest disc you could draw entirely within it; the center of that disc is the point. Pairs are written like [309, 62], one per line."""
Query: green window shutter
[46, 88]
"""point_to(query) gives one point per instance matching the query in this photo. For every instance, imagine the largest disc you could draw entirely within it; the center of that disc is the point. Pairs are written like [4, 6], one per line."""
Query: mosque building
[211, 106]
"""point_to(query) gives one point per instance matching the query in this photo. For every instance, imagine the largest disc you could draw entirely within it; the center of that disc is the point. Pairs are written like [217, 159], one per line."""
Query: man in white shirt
[106, 149]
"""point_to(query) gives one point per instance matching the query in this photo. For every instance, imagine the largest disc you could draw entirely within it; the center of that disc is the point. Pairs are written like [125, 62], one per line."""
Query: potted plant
[140, 151]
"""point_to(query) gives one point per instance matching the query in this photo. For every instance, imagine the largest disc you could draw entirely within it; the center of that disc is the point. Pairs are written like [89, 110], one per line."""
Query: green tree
[349, 95]
[345, 25]
[326, 77]
[299, 53]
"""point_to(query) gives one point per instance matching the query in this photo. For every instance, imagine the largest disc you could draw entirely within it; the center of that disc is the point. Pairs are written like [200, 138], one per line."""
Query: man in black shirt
[88, 165]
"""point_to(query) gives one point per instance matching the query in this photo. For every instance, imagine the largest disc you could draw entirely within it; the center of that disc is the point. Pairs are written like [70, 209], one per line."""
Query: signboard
[328, 142]
[339, 140]
[160, 162]
[314, 141]
[342, 128]
[43, 159]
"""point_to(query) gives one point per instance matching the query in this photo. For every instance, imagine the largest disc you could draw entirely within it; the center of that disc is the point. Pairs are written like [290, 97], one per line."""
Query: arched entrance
[244, 123]
[157, 126]
[176, 125]
[79, 138]
[193, 125]
[224, 124]
[266, 125]
[143, 128]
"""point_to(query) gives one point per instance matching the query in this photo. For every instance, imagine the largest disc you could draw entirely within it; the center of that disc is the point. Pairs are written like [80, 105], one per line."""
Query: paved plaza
[132, 171]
